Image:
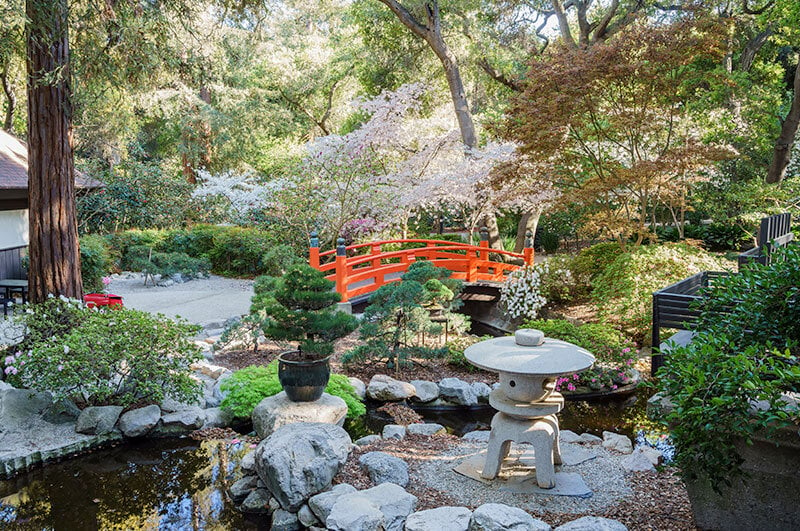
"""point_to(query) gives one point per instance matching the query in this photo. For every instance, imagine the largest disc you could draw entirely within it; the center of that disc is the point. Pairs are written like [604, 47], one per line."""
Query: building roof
[14, 166]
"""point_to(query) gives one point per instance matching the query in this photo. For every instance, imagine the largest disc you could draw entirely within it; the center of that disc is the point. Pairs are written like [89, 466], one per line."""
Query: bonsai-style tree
[399, 311]
[301, 308]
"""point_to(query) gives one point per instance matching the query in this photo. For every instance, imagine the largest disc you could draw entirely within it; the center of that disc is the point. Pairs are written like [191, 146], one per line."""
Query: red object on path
[94, 300]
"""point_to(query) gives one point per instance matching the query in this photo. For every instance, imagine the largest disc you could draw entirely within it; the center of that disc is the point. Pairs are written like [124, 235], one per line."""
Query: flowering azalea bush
[95, 357]
[521, 296]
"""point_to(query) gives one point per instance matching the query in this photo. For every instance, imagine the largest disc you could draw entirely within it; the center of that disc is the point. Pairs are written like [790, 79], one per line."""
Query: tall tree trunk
[528, 222]
[55, 264]
[432, 34]
[11, 99]
[785, 142]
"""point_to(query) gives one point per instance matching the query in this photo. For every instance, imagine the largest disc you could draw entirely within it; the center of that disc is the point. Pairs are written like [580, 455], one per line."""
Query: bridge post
[528, 250]
[341, 269]
[313, 250]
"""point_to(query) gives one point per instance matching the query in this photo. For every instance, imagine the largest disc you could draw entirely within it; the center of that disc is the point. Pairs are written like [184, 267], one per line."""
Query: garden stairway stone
[441, 519]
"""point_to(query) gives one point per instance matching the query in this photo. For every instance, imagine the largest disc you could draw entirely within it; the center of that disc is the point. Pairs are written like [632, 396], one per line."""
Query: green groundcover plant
[93, 357]
[249, 386]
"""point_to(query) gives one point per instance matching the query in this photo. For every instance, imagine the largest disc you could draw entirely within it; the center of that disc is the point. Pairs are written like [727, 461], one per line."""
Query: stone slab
[517, 475]
[276, 411]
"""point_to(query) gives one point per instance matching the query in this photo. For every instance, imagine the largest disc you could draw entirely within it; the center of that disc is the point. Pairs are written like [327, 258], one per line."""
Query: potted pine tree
[302, 308]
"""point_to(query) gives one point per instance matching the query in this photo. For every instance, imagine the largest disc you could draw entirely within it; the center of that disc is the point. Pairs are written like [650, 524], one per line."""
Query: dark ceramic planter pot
[303, 381]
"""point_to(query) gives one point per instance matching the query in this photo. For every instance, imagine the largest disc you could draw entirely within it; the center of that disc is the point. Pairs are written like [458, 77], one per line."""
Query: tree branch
[752, 48]
[501, 78]
[786, 139]
[563, 24]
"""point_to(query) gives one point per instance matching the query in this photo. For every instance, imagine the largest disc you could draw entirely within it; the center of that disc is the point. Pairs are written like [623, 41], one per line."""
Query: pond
[177, 484]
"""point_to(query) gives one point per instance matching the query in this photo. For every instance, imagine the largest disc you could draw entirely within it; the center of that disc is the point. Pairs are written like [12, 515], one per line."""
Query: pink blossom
[571, 387]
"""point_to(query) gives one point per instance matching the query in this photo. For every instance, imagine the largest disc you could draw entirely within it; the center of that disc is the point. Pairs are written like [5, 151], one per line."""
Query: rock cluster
[448, 392]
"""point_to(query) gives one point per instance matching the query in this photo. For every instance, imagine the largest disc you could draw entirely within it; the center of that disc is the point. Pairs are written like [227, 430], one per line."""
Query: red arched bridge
[360, 269]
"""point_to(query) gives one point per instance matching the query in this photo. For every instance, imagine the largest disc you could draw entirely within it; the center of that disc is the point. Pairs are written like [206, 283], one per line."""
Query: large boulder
[98, 420]
[277, 410]
[386, 389]
[19, 404]
[592, 523]
[355, 513]
[299, 460]
[322, 503]
[425, 391]
[384, 468]
[61, 412]
[139, 422]
[501, 517]
[392, 500]
[458, 392]
[216, 417]
[618, 442]
[359, 387]
[181, 422]
[441, 519]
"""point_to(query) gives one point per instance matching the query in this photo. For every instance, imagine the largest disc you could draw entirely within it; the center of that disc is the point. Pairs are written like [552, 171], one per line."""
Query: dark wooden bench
[673, 305]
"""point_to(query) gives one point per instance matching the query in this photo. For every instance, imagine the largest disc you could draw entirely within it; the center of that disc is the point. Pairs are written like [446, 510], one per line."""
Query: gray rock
[248, 464]
[385, 388]
[394, 502]
[589, 438]
[568, 436]
[394, 431]
[276, 411]
[61, 412]
[355, 513]
[300, 460]
[19, 404]
[322, 503]
[359, 386]
[615, 441]
[638, 461]
[368, 439]
[501, 517]
[139, 422]
[458, 392]
[652, 454]
[215, 417]
[217, 394]
[242, 488]
[440, 519]
[428, 429]
[258, 502]
[183, 421]
[482, 391]
[425, 391]
[165, 283]
[384, 468]
[659, 405]
[98, 420]
[170, 405]
[5, 385]
[284, 521]
[478, 436]
[307, 517]
[592, 523]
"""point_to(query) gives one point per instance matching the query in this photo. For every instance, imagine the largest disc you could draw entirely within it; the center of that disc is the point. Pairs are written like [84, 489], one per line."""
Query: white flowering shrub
[521, 296]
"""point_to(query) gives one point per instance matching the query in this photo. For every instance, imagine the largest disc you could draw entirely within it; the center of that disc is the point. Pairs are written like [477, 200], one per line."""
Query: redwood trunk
[785, 142]
[55, 265]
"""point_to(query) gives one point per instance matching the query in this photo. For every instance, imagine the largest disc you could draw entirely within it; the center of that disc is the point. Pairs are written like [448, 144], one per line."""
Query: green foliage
[456, 348]
[623, 291]
[557, 281]
[249, 386]
[93, 357]
[399, 311]
[279, 259]
[301, 307]
[602, 340]
[96, 262]
[712, 383]
[758, 306]
[592, 261]
[141, 258]
[550, 242]
[136, 194]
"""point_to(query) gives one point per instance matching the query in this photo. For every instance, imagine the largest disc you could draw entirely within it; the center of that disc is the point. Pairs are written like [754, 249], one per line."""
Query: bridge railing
[363, 268]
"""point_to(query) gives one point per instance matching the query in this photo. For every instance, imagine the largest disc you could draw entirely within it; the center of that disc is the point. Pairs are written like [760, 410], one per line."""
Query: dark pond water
[179, 484]
[174, 484]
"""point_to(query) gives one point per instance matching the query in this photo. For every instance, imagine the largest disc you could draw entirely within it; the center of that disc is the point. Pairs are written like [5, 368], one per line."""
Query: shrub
[724, 237]
[623, 292]
[141, 258]
[550, 242]
[521, 294]
[239, 251]
[121, 357]
[558, 283]
[95, 262]
[279, 259]
[456, 348]
[249, 386]
[592, 261]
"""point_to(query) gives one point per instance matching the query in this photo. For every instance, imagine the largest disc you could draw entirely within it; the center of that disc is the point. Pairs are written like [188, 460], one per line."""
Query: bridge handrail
[475, 259]
[385, 242]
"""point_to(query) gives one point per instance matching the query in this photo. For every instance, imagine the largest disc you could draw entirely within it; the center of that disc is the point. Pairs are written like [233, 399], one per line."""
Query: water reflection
[165, 484]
